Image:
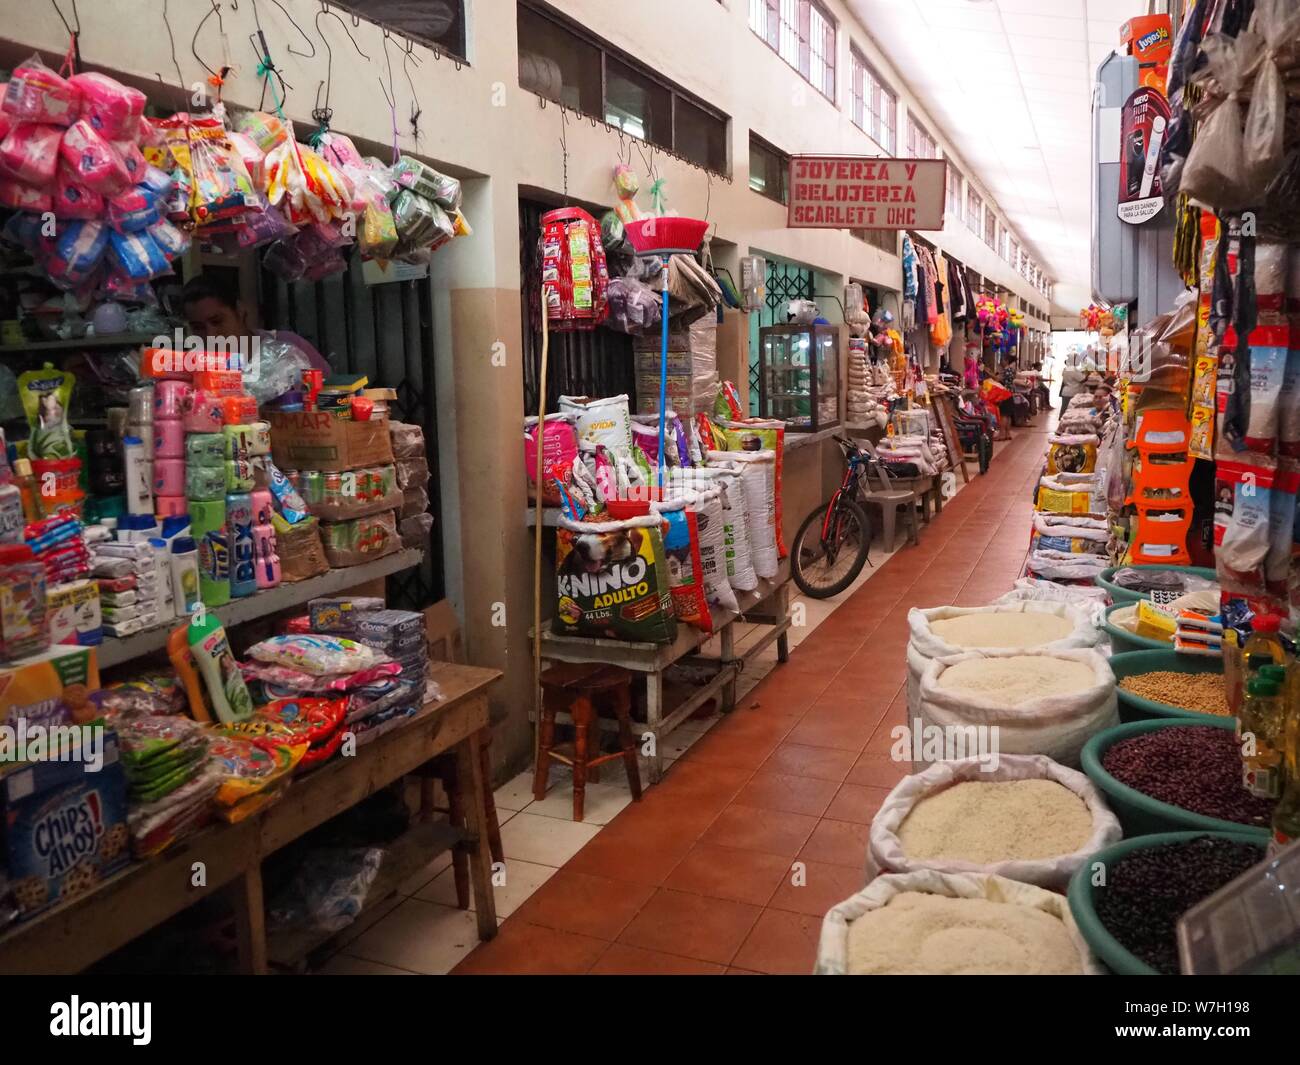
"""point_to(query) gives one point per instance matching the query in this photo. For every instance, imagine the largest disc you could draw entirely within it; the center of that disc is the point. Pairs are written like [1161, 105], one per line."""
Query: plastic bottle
[243, 562]
[185, 575]
[208, 528]
[1264, 647]
[139, 476]
[1262, 735]
[26, 482]
[219, 670]
[164, 601]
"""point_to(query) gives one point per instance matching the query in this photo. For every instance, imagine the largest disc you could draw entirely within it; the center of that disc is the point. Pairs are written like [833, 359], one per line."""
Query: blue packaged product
[137, 255]
[239, 525]
[65, 825]
[287, 500]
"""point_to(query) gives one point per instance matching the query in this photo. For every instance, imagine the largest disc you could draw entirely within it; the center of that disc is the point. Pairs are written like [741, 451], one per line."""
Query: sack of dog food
[685, 568]
[1072, 454]
[559, 445]
[758, 483]
[601, 421]
[611, 581]
[756, 435]
[713, 547]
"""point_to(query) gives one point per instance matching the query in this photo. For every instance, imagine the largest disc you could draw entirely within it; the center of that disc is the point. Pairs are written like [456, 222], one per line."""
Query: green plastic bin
[1122, 641]
[1138, 812]
[1081, 894]
[1135, 708]
[1123, 595]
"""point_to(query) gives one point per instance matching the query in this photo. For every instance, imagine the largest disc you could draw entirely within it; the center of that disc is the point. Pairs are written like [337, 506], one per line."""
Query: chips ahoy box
[64, 827]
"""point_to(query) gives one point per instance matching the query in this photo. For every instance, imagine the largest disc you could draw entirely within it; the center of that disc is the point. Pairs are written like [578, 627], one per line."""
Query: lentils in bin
[1193, 767]
[1147, 891]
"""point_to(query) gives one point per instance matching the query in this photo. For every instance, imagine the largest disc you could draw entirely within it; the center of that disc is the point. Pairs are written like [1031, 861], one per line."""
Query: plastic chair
[889, 497]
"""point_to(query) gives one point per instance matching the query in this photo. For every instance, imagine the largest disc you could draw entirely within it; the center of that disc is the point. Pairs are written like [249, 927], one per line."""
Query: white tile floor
[420, 930]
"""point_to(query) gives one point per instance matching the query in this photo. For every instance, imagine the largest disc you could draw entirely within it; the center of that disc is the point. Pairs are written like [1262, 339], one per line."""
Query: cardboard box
[316, 440]
[65, 827]
[33, 689]
[1150, 40]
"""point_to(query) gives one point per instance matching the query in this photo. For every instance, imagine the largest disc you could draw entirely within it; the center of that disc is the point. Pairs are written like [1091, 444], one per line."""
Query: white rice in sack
[1032, 701]
[602, 421]
[758, 482]
[944, 631]
[1029, 819]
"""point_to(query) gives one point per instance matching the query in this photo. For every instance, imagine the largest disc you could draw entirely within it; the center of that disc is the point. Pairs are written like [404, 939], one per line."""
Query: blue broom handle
[663, 378]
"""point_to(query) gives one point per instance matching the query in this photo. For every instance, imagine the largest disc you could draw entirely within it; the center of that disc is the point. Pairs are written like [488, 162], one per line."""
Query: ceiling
[1009, 86]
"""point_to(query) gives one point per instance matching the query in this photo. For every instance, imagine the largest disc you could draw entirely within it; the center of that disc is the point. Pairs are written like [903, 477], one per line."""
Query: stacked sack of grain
[1027, 818]
[907, 923]
[1038, 701]
[941, 632]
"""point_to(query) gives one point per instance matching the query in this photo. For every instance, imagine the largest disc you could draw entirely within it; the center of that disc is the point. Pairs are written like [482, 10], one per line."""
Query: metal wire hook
[194, 41]
[329, 52]
[301, 33]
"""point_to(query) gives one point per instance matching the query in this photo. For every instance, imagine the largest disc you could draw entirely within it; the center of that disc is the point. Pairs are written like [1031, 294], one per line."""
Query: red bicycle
[834, 541]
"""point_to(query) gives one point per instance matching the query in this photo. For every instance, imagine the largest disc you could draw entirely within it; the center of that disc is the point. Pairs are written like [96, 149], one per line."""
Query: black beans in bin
[1194, 767]
[1147, 891]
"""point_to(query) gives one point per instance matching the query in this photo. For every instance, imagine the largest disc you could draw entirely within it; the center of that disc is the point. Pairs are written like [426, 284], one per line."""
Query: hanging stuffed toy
[626, 185]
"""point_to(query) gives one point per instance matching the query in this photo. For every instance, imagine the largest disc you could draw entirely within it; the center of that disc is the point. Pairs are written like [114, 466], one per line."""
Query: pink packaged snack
[35, 93]
[74, 200]
[6, 121]
[559, 447]
[23, 197]
[253, 156]
[299, 681]
[92, 160]
[30, 152]
[110, 107]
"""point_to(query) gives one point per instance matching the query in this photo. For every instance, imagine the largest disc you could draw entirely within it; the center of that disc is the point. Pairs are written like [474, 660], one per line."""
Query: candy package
[420, 222]
[304, 186]
[113, 109]
[35, 93]
[74, 200]
[282, 682]
[317, 654]
[171, 241]
[264, 130]
[339, 151]
[426, 182]
[253, 157]
[219, 187]
[30, 152]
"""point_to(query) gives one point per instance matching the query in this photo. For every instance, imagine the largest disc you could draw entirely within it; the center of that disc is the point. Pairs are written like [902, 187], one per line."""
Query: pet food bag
[1072, 453]
[885, 852]
[713, 548]
[758, 483]
[611, 581]
[1054, 725]
[738, 566]
[602, 421]
[559, 446]
[755, 435]
[685, 568]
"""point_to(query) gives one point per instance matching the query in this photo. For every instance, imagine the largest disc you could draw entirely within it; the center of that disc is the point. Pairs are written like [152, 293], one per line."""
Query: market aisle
[700, 876]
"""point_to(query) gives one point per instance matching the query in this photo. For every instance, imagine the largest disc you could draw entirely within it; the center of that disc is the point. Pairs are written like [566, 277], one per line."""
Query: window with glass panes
[802, 32]
[769, 170]
[874, 107]
[954, 192]
[884, 239]
[974, 210]
[991, 229]
[559, 61]
[920, 145]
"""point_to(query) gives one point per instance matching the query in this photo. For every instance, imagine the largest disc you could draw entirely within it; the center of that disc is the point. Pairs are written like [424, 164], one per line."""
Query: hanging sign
[1144, 120]
[851, 192]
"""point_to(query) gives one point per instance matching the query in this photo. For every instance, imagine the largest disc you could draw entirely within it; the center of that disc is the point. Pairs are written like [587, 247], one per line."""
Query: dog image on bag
[612, 581]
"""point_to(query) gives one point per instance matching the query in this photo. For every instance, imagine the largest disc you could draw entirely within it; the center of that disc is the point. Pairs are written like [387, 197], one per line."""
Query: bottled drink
[1263, 738]
[1264, 647]
[1286, 817]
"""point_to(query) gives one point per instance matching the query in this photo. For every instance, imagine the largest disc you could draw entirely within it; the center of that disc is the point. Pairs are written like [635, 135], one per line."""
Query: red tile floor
[728, 865]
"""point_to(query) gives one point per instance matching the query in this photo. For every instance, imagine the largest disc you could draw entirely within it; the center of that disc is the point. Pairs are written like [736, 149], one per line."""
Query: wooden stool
[446, 770]
[578, 688]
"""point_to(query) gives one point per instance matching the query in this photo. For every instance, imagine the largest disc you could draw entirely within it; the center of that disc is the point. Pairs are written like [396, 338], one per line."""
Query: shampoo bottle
[219, 670]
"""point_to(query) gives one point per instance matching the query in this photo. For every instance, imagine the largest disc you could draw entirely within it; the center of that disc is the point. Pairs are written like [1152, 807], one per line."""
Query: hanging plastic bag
[30, 152]
[74, 200]
[23, 197]
[1278, 23]
[109, 106]
[1214, 172]
[35, 93]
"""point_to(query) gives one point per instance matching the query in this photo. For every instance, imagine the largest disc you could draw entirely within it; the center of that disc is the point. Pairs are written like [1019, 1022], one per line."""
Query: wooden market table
[769, 605]
[70, 937]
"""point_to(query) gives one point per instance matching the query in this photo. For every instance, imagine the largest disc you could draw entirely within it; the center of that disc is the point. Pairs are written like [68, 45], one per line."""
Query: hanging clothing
[956, 291]
[909, 269]
[931, 294]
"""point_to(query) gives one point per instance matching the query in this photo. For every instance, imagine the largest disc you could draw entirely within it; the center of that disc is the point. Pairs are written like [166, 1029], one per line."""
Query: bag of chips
[559, 446]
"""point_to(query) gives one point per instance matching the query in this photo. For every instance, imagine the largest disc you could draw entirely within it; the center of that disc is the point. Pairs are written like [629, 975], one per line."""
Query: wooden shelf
[120, 340]
[114, 650]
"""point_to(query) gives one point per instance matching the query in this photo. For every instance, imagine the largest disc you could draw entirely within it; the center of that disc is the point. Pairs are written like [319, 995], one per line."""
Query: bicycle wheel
[823, 568]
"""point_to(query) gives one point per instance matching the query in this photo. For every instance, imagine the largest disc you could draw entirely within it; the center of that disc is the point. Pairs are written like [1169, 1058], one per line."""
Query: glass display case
[799, 375]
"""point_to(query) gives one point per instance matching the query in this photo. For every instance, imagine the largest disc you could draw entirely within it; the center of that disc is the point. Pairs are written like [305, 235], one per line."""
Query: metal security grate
[385, 332]
[785, 282]
[596, 363]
